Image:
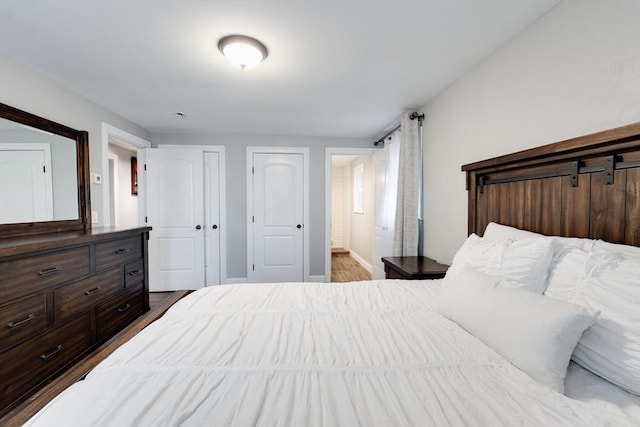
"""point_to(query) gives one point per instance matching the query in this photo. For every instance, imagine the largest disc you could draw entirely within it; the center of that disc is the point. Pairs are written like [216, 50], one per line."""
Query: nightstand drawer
[113, 314]
[22, 319]
[83, 295]
[109, 254]
[24, 366]
[25, 276]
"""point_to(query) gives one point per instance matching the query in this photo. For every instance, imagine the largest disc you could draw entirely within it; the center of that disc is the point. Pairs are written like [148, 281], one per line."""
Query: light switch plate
[96, 178]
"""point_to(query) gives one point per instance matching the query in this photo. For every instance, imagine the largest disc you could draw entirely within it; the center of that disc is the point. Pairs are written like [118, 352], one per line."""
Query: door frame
[131, 142]
[220, 149]
[111, 157]
[328, 153]
[305, 203]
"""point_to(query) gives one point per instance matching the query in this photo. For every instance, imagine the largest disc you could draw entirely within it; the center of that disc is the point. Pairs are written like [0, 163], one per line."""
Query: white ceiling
[335, 68]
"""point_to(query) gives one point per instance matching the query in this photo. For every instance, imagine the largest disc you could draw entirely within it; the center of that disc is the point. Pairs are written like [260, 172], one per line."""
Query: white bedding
[355, 354]
[601, 395]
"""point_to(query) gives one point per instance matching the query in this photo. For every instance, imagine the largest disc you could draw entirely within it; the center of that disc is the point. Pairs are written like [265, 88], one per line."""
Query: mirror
[43, 175]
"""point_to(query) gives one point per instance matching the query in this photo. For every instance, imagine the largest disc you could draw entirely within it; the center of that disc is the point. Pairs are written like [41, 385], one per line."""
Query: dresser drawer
[27, 275]
[84, 294]
[24, 366]
[116, 252]
[113, 314]
[22, 319]
[133, 273]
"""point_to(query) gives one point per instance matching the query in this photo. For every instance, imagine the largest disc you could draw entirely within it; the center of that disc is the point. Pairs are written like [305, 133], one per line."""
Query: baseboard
[361, 261]
[319, 279]
[377, 274]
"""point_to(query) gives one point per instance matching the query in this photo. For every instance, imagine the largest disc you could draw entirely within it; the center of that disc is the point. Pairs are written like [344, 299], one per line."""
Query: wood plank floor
[344, 268]
[157, 298]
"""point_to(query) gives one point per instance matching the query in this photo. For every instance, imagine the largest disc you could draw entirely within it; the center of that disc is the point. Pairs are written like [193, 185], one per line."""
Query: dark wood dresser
[62, 294]
[413, 268]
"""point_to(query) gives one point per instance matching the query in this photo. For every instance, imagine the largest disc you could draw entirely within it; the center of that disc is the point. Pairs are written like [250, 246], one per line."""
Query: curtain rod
[413, 116]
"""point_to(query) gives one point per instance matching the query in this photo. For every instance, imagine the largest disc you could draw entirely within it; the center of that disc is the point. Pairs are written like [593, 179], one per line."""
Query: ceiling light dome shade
[242, 51]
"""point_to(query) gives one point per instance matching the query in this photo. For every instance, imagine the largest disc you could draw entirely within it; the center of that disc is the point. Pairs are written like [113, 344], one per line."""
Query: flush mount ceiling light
[242, 51]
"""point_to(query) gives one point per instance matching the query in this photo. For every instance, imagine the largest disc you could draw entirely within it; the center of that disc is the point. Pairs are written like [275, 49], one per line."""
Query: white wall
[339, 182]
[236, 174]
[23, 88]
[346, 212]
[361, 224]
[574, 72]
[127, 213]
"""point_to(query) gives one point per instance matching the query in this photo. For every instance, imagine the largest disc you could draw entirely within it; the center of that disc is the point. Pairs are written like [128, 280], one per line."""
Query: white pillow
[561, 245]
[607, 281]
[524, 261]
[567, 274]
[535, 333]
[497, 232]
[628, 252]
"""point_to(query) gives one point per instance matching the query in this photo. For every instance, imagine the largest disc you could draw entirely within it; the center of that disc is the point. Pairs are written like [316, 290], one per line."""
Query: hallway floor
[346, 269]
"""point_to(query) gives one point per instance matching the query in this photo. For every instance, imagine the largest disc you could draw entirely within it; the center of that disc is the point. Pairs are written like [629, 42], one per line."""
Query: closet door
[25, 183]
[278, 217]
[212, 218]
[175, 211]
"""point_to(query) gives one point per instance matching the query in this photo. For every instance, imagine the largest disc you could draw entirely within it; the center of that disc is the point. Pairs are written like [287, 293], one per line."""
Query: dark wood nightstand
[413, 268]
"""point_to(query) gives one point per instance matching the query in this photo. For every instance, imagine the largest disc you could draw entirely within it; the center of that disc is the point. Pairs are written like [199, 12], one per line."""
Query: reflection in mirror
[38, 175]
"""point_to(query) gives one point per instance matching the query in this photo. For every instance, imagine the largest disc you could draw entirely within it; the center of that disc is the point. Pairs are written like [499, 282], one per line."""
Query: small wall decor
[134, 176]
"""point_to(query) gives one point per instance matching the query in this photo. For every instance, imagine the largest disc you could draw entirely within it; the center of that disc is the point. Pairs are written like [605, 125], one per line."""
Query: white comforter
[355, 354]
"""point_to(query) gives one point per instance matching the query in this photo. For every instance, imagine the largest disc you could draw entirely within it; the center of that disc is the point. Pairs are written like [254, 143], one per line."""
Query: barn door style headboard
[587, 186]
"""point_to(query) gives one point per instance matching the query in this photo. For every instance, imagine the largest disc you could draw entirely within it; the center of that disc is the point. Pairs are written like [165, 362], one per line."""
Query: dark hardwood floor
[344, 268]
[157, 298]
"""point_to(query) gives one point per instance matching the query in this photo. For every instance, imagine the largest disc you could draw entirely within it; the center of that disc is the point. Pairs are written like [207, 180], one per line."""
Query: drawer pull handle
[134, 272]
[48, 271]
[22, 322]
[125, 308]
[122, 251]
[45, 356]
[93, 291]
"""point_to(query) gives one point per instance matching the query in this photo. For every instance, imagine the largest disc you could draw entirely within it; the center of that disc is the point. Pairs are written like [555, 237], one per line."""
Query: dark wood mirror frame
[82, 168]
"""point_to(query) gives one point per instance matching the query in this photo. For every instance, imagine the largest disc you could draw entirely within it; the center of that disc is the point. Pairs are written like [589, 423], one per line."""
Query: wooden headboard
[582, 187]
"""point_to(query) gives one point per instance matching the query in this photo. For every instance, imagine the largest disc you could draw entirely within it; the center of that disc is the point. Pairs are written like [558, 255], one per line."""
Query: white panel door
[212, 218]
[25, 183]
[385, 183]
[278, 207]
[175, 210]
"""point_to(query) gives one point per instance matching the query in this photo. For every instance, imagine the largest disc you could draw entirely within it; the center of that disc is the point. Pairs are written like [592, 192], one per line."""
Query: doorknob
[298, 226]
[215, 227]
[198, 227]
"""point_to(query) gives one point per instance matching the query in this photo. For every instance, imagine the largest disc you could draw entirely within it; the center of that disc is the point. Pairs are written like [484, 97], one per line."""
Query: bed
[405, 353]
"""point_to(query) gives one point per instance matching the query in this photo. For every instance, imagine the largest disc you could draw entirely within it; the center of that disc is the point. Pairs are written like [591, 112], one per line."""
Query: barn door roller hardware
[481, 179]
[575, 171]
[609, 167]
